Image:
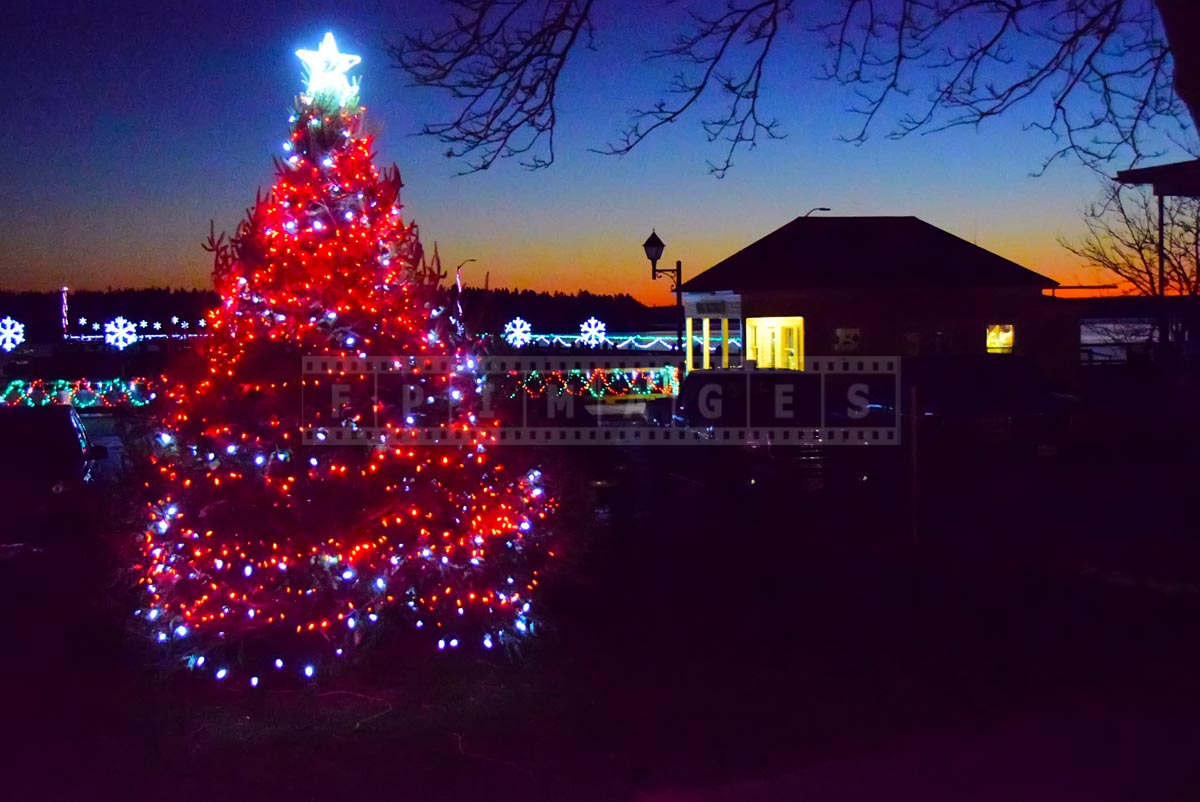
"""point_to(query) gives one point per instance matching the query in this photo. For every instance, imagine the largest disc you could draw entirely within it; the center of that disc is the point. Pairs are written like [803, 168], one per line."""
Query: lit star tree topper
[327, 68]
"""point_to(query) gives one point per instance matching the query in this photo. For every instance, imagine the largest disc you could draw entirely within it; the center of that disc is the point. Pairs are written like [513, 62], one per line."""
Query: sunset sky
[131, 128]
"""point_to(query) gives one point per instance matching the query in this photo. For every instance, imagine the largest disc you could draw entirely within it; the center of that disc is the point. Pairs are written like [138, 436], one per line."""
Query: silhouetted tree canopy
[1109, 78]
[1122, 240]
[559, 313]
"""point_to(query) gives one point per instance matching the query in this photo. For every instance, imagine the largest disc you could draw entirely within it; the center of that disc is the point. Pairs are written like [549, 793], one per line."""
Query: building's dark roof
[1177, 178]
[1135, 306]
[861, 252]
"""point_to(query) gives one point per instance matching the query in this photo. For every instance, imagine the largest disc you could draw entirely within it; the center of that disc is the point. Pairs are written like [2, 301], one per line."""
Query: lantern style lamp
[653, 246]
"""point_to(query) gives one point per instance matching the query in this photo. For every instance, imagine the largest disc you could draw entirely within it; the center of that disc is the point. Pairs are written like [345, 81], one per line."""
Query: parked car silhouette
[46, 465]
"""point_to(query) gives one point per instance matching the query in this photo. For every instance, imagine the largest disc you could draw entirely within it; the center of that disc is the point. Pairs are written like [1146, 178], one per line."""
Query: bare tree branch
[742, 30]
[1100, 75]
[1101, 69]
[502, 59]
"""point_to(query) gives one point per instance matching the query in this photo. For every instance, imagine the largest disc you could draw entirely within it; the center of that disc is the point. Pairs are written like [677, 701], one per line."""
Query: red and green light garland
[79, 393]
[600, 383]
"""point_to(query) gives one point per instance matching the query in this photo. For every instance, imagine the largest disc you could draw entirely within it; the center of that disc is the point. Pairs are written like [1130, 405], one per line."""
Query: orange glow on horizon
[590, 263]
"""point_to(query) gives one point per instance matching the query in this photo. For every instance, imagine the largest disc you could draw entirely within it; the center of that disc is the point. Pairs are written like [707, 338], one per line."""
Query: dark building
[823, 286]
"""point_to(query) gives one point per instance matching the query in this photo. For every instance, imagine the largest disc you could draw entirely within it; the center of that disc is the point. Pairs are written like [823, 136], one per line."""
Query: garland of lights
[600, 383]
[80, 393]
[266, 558]
[121, 333]
[135, 393]
[624, 342]
[593, 333]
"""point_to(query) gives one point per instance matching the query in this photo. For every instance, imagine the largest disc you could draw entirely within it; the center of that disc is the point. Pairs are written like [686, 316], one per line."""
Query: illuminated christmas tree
[265, 556]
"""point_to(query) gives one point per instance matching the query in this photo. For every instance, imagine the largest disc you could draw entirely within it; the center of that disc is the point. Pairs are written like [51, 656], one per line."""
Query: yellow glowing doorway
[776, 342]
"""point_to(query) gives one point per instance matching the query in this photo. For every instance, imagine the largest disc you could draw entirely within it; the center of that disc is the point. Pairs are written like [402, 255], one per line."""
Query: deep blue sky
[131, 126]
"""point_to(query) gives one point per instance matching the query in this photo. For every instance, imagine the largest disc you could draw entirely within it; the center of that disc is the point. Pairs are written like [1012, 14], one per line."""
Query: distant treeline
[560, 313]
[484, 311]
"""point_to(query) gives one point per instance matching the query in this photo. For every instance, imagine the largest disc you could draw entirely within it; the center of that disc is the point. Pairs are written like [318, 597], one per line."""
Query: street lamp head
[817, 209]
[653, 246]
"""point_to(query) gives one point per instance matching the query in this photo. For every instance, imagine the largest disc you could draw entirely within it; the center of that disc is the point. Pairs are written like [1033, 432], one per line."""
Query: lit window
[1000, 338]
[776, 342]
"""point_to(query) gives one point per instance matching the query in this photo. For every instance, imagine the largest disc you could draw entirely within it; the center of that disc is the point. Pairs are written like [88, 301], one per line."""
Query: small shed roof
[862, 253]
[1178, 178]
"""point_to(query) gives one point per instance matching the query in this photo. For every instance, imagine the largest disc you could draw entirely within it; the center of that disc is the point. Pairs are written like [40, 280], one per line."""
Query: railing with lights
[121, 333]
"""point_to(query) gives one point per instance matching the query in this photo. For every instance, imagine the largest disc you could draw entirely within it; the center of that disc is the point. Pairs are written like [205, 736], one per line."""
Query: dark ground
[707, 639]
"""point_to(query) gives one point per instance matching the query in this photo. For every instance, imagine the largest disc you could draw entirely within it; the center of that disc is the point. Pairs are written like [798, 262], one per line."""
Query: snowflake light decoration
[592, 333]
[120, 333]
[12, 334]
[518, 333]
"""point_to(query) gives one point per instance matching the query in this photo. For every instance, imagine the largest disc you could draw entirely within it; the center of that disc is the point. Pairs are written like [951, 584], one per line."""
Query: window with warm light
[776, 342]
[1000, 338]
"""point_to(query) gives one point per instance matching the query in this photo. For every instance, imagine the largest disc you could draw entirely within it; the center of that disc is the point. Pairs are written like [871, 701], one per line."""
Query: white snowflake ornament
[120, 333]
[12, 334]
[518, 333]
[592, 333]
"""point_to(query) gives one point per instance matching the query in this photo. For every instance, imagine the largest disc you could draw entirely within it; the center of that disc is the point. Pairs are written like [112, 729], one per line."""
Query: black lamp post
[817, 209]
[653, 246]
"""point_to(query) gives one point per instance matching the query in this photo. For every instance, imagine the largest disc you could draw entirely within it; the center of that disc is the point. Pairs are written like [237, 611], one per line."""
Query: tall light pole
[653, 246]
[63, 313]
[817, 209]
